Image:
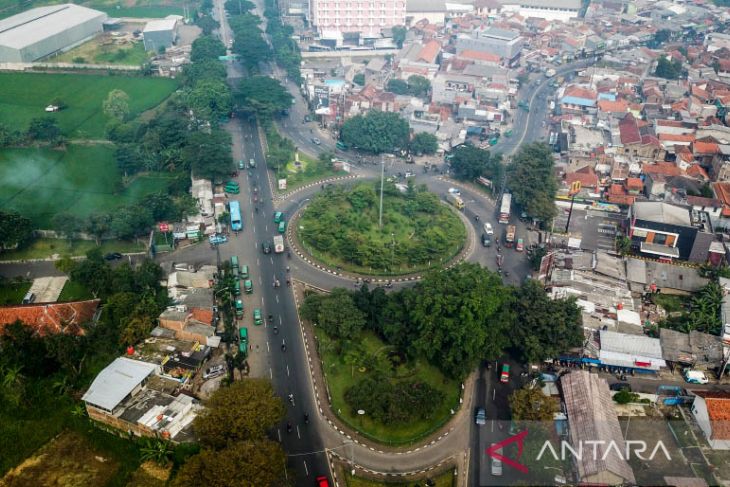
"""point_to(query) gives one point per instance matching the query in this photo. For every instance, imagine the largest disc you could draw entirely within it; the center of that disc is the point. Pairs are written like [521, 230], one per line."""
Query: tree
[67, 224]
[44, 128]
[397, 86]
[399, 35]
[132, 221]
[424, 143]
[243, 411]
[457, 317]
[469, 162]
[669, 68]
[203, 69]
[248, 42]
[530, 404]
[418, 86]
[135, 330]
[238, 7]
[623, 244]
[359, 79]
[532, 181]
[543, 327]
[245, 463]
[209, 155]
[116, 105]
[156, 450]
[93, 273]
[376, 132]
[207, 24]
[335, 313]
[15, 229]
[263, 96]
[209, 100]
[206, 48]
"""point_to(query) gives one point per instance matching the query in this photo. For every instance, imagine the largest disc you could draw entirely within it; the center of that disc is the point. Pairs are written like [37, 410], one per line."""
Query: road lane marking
[287, 370]
[271, 373]
[298, 434]
[280, 320]
[306, 470]
[268, 350]
[277, 298]
[279, 432]
[494, 394]
[262, 300]
[272, 260]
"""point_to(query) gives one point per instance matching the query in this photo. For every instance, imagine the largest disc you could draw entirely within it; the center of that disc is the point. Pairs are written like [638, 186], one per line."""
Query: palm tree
[156, 450]
[13, 384]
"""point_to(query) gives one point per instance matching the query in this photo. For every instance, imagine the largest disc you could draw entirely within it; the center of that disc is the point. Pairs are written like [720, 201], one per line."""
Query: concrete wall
[159, 38]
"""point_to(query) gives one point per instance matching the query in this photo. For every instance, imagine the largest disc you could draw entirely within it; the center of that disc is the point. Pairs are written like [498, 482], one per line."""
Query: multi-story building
[365, 17]
[506, 44]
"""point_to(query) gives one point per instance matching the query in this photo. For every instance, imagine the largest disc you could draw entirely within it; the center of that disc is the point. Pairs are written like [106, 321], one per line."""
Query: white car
[497, 464]
[455, 191]
[488, 229]
[409, 174]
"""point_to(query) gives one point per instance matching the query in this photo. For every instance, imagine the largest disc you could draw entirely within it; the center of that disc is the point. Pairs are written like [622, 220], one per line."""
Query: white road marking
[492, 426]
[306, 470]
[272, 260]
[279, 432]
[280, 320]
[271, 373]
[277, 298]
[262, 300]
[298, 435]
[287, 370]
[494, 394]
[267, 347]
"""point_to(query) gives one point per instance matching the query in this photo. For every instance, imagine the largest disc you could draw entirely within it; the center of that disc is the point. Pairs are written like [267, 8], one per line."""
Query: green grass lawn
[25, 95]
[73, 291]
[81, 180]
[13, 292]
[445, 479]
[340, 376]
[305, 171]
[94, 52]
[43, 248]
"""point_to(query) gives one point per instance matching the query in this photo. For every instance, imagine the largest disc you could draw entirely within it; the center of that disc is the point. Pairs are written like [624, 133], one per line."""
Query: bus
[505, 208]
[235, 211]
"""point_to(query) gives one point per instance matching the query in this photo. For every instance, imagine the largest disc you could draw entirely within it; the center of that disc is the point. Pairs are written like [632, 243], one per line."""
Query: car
[322, 481]
[278, 217]
[480, 417]
[696, 377]
[620, 386]
[113, 256]
[486, 240]
[409, 174]
[248, 286]
[520, 245]
[488, 229]
[266, 247]
[244, 272]
[238, 305]
[215, 371]
[504, 375]
[455, 191]
[217, 239]
[251, 163]
[316, 141]
[241, 165]
[496, 464]
[257, 320]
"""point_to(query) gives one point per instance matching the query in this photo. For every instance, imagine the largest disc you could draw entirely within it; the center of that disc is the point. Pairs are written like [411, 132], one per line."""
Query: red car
[323, 482]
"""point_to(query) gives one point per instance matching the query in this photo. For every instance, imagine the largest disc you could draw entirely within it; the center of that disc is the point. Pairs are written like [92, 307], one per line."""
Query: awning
[662, 250]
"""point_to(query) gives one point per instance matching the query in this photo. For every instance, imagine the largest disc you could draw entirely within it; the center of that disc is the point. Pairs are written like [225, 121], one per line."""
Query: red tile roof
[204, 315]
[429, 52]
[618, 106]
[621, 199]
[616, 189]
[706, 202]
[665, 168]
[46, 318]
[580, 92]
[480, 56]
[698, 171]
[629, 130]
[669, 123]
[586, 176]
[705, 148]
[718, 411]
[722, 191]
[677, 137]
[634, 183]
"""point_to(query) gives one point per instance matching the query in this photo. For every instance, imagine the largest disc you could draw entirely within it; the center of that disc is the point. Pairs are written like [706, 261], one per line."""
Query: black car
[486, 241]
[620, 386]
[113, 256]
[266, 247]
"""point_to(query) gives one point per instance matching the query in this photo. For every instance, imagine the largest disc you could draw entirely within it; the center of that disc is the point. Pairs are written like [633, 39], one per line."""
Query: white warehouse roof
[117, 381]
[168, 23]
[37, 24]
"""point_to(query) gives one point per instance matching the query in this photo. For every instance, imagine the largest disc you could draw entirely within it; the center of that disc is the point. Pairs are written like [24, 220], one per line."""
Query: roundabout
[342, 228]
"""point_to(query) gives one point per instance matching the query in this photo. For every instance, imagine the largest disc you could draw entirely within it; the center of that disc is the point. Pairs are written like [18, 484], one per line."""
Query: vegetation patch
[81, 180]
[74, 291]
[446, 479]
[66, 460]
[12, 292]
[142, 11]
[103, 50]
[340, 227]
[25, 95]
[44, 248]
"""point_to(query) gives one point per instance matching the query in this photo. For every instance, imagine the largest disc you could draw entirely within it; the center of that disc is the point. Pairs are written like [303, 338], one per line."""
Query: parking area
[595, 229]
[47, 289]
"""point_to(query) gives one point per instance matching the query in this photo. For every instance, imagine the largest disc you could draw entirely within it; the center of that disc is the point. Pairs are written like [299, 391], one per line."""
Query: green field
[340, 376]
[138, 8]
[13, 292]
[43, 248]
[81, 180]
[96, 52]
[25, 95]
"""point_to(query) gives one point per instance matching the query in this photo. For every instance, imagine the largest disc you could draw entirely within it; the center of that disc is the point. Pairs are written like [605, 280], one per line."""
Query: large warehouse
[41, 31]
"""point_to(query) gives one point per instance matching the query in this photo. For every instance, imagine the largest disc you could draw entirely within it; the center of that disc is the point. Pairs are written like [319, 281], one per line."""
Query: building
[161, 33]
[435, 11]
[712, 413]
[630, 351]
[131, 396]
[42, 31]
[694, 349]
[592, 418]
[664, 231]
[366, 19]
[50, 318]
[506, 44]
[562, 10]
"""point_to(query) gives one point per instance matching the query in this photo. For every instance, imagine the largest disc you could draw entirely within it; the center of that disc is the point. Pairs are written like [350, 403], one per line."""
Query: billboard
[322, 100]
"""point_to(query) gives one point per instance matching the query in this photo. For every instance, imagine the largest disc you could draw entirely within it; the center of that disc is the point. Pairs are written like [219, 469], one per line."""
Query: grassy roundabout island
[340, 228]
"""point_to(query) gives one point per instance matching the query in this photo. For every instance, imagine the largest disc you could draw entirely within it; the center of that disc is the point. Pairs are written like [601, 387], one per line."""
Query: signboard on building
[164, 226]
[322, 100]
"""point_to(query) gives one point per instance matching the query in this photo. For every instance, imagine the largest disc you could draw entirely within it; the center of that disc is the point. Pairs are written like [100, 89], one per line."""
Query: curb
[51, 259]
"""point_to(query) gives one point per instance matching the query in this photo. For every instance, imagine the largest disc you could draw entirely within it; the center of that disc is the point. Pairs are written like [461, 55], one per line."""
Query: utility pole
[382, 176]
[574, 190]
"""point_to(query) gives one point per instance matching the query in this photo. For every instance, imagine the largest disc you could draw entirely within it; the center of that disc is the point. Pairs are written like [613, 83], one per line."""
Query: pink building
[368, 17]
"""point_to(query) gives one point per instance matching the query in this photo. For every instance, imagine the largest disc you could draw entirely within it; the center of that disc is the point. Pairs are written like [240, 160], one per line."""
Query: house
[630, 351]
[585, 175]
[132, 397]
[694, 349]
[711, 410]
[577, 99]
[635, 143]
[592, 418]
[665, 231]
[190, 324]
[51, 318]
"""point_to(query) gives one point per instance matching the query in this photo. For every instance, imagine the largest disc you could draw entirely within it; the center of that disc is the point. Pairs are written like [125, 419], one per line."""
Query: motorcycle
[306, 418]
[288, 427]
[288, 283]
[276, 331]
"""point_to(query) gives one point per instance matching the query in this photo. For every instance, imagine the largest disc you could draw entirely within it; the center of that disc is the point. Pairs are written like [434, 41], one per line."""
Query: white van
[695, 377]
[488, 229]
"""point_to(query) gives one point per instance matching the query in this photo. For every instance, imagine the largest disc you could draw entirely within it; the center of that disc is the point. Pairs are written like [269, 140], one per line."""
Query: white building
[356, 16]
[42, 31]
[161, 33]
[712, 410]
[631, 351]
[562, 10]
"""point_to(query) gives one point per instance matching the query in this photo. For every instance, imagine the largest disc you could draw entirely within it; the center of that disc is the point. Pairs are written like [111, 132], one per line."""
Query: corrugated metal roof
[33, 26]
[117, 381]
[167, 23]
[612, 341]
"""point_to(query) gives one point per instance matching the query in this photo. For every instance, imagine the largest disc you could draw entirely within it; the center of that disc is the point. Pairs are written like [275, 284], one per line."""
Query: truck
[509, 236]
[550, 73]
[504, 208]
[455, 200]
[278, 244]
